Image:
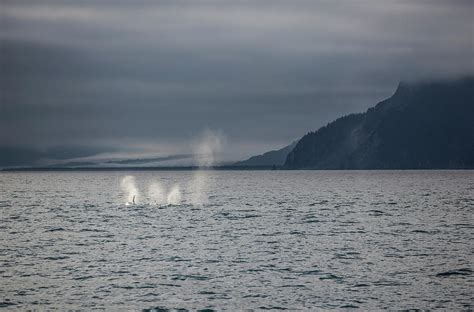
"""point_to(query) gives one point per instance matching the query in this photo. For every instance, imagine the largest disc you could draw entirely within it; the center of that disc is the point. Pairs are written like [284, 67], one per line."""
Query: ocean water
[237, 240]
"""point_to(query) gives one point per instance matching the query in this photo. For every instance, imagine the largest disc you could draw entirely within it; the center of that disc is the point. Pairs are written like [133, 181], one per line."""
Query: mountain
[426, 125]
[271, 158]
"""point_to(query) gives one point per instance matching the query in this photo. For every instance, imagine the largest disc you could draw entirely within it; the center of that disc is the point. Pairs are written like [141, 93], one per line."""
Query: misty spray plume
[157, 193]
[207, 150]
[130, 189]
[174, 196]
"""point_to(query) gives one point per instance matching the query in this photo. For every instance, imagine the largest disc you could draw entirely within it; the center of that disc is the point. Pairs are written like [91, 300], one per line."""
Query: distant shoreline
[185, 168]
[218, 168]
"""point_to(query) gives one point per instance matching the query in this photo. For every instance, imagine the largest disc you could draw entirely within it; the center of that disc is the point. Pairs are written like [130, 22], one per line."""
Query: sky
[112, 79]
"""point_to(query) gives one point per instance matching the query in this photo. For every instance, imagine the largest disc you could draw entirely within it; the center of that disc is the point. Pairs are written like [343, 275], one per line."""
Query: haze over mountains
[425, 125]
[271, 158]
[422, 126]
[98, 81]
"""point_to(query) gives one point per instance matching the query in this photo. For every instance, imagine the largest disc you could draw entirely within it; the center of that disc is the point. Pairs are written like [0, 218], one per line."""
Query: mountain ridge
[271, 158]
[426, 125]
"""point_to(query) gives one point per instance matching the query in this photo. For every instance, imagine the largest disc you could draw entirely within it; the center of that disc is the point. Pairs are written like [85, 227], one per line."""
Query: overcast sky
[119, 78]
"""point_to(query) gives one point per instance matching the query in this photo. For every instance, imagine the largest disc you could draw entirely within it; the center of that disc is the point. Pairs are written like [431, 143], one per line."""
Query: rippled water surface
[256, 240]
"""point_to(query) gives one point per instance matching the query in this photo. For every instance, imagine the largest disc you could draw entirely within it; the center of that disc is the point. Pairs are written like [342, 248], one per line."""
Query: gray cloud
[148, 76]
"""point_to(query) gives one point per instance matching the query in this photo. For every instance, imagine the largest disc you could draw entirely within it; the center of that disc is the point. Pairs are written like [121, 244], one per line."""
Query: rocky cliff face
[424, 125]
